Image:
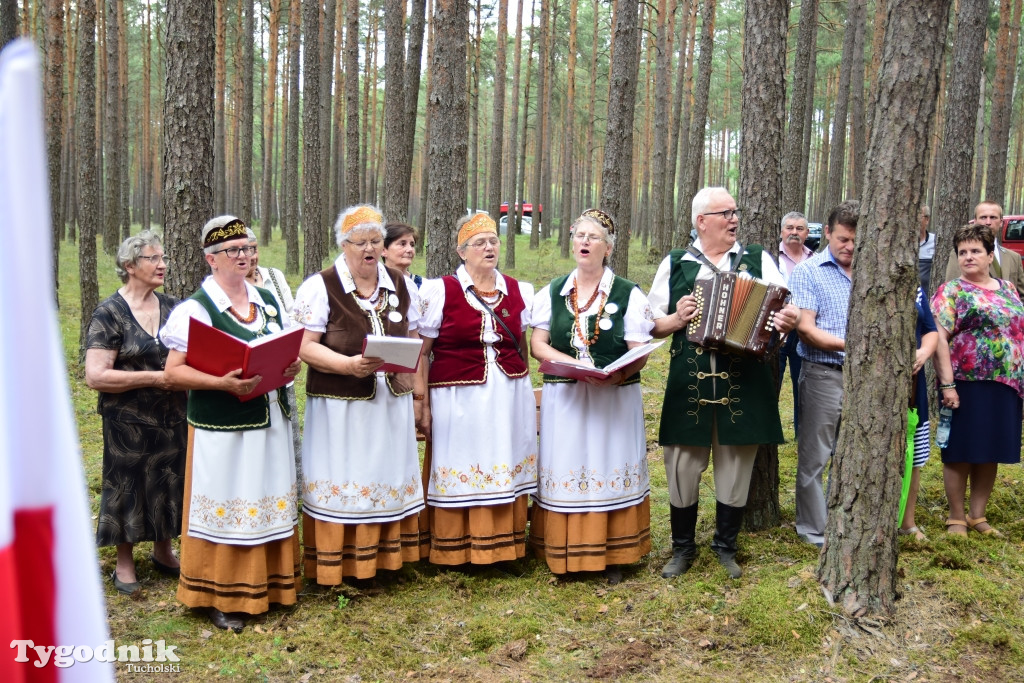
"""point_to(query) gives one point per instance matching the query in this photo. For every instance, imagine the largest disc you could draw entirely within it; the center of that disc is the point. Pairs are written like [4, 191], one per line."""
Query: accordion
[735, 313]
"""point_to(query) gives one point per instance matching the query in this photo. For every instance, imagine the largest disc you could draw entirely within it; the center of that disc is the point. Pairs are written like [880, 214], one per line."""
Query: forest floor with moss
[959, 617]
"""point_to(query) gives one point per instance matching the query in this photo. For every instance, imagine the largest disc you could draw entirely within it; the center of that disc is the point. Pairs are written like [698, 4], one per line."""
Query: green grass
[959, 618]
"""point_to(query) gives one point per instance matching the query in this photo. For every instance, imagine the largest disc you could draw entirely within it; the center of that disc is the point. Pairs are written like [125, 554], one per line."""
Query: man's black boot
[684, 540]
[727, 528]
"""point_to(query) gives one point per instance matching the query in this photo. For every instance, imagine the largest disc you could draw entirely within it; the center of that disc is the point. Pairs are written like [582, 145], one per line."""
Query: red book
[218, 353]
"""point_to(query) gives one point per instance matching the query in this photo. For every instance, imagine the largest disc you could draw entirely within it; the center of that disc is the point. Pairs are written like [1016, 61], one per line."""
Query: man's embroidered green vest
[740, 394]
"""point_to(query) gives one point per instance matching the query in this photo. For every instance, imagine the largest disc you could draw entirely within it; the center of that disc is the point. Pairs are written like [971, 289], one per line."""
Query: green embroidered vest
[740, 393]
[610, 344]
[220, 410]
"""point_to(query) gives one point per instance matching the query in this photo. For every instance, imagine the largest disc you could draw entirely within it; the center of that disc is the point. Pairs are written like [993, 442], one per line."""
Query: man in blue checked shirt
[821, 290]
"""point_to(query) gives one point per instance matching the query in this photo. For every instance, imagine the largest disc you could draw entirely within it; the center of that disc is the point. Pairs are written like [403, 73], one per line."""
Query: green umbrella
[908, 466]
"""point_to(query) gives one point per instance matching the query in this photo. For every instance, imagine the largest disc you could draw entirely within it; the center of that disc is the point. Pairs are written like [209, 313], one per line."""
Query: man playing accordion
[717, 404]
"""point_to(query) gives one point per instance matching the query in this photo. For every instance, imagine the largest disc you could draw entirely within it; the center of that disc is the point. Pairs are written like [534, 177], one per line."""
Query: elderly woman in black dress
[144, 427]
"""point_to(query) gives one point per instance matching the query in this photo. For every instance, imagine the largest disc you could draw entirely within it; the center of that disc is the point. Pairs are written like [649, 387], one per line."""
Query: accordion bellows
[735, 313]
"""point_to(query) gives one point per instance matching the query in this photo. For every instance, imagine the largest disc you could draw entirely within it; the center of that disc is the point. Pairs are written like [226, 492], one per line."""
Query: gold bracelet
[417, 397]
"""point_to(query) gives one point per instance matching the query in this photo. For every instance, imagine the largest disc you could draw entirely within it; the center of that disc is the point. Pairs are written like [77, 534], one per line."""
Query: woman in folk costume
[592, 509]
[239, 542]
[362, 492]
[480, 411]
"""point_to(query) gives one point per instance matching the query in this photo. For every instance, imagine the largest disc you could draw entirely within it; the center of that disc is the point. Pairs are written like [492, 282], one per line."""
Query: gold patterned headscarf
[361, 216]
[601, 218]
[222, 229]
[480, 222]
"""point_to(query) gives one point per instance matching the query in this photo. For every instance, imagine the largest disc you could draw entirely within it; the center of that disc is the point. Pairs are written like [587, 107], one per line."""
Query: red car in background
[527, 210]
[1012, 236]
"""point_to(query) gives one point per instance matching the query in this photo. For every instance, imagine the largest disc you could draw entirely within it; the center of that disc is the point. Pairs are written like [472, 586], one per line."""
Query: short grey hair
[342, 237]
[701, 201]
[251, 235]
[131, 249]
[792, 215]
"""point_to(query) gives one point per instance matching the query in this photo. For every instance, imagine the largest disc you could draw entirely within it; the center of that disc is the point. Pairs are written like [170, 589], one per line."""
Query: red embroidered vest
[459, 352]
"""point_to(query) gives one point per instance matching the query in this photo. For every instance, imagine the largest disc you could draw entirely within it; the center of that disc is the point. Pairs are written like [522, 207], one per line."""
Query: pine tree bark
[291, 224]
[837, 160]
[269, 121]
[515, 167]
[763, 115]
[858, 126]
[857, 568]
[1007, 43]
[805, 152]
[124, 217]
[395, 202]
[112, 143]
[494, 189]
[8, 22]
[569, 139]
[698, 119]
[220, 189]
[792, 197]
[53, 87]
[312, 175]
[245, 115]
[448, 134]
[188, 141]
[956, 156]
[417, 23]
[352, 104]
[88, 181]
[474, 112]
[538, 168]
[675, 127]
[661, 224]
[617, 172]
[329, 32]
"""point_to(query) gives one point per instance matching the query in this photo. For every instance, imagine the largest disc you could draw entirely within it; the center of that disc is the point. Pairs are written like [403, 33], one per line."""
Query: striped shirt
[819, 284]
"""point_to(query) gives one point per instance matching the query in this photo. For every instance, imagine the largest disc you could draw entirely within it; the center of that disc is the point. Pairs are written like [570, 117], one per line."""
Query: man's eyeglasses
[727, 214]
[235, 252]
[155, 258]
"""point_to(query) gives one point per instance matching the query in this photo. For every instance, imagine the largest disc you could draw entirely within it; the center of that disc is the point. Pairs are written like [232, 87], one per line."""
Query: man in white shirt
[791, 252]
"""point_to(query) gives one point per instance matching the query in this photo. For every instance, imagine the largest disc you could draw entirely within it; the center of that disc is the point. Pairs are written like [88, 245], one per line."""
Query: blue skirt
[986, 427]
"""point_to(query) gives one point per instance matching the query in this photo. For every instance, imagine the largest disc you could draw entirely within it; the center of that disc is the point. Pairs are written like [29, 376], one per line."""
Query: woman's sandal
[952, 523]
[973, 525]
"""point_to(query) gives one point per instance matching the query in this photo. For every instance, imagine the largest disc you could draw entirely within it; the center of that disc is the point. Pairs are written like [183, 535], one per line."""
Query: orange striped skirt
[332, 551]
[590, 541]
[235, 578]
[482, 534]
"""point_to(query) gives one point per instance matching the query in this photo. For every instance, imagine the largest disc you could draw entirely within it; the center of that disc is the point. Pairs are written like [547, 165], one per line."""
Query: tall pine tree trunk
[515, 169]
[1007, 42]
[448, 134]
[792, 197]
[395, 202]
[763, 115]
[699, 116]
[188, 141]
[417, 20]
[857, 567]
[352, 103]
[837, 161]
[53, 87]
[245, 115]
[312, 175]
[494, 190]
[570, 134]
[269, 113]
[956, 156]
[87, 181]
[292, 161]
[617, 173]
[112, 143]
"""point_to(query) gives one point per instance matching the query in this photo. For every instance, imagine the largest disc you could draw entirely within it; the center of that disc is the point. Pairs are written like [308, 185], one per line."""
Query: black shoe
[613, 574]
[684, 541]
[123, 586]
[727, 528]
[164, 569]
[228, 622]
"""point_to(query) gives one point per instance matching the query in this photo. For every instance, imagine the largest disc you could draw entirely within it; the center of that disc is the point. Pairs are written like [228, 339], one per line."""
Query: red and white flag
[49, 584]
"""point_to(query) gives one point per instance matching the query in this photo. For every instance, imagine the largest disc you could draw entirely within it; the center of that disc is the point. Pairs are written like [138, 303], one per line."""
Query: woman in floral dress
[979, 363]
